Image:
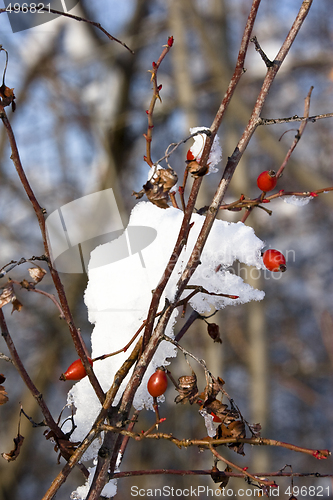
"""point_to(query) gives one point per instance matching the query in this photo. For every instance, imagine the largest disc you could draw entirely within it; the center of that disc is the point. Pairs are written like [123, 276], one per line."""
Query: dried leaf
[2, 378]
[7, 96]
[156, 194]
[25, 284]
[7, 294]
[255, 429]
[235, 429]
[216, 408]
[214, 332]
[220, 476]
[37, 273]
[17, 306]
[158, 186]
[187, 388]
[12, 455]
[211, 391]
[3, 395]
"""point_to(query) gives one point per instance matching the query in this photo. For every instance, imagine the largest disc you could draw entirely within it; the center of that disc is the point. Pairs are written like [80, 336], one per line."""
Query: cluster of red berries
[273, 259]
[157, 384]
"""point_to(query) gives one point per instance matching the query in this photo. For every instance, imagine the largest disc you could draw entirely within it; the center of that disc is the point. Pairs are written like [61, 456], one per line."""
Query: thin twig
[298, 135]
[295, 118]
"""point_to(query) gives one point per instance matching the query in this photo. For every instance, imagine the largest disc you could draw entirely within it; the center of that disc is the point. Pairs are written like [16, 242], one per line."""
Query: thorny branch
[155, 96]
[211, 442]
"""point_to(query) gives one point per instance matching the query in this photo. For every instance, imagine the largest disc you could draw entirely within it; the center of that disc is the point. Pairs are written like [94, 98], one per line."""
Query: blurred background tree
[80, 117]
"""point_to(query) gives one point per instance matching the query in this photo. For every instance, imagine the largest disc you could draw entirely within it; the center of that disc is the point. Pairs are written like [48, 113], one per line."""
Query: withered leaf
[37, 273]
[187, 388]
[2, 378]
[3, 395]
[158, 186]
[236, 429]
[213, 389]
[220, 476]
[216, 407]
[156, 194]
[214, 332]
[255, 429]
[7, 294]
[217, 475]
[17, 306]
[13, 454]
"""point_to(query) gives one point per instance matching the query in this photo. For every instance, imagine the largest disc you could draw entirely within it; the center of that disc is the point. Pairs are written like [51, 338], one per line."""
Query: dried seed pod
[214, 332]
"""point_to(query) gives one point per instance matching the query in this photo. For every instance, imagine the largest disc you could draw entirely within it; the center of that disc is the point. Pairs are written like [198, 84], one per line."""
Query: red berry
[190, 156]
[157, 383]
[267, 180]
[274, 260]
[75, 371]
[215, 417]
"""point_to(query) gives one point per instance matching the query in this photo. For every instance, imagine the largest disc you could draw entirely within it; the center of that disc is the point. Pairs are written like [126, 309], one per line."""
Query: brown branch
[298, 135]
[155, 96]
[82, 19]
[40, 213]
[31, 288]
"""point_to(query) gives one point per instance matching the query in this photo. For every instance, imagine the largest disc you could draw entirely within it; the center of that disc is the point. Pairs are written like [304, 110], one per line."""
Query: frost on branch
[299, 201]
[118, 295]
